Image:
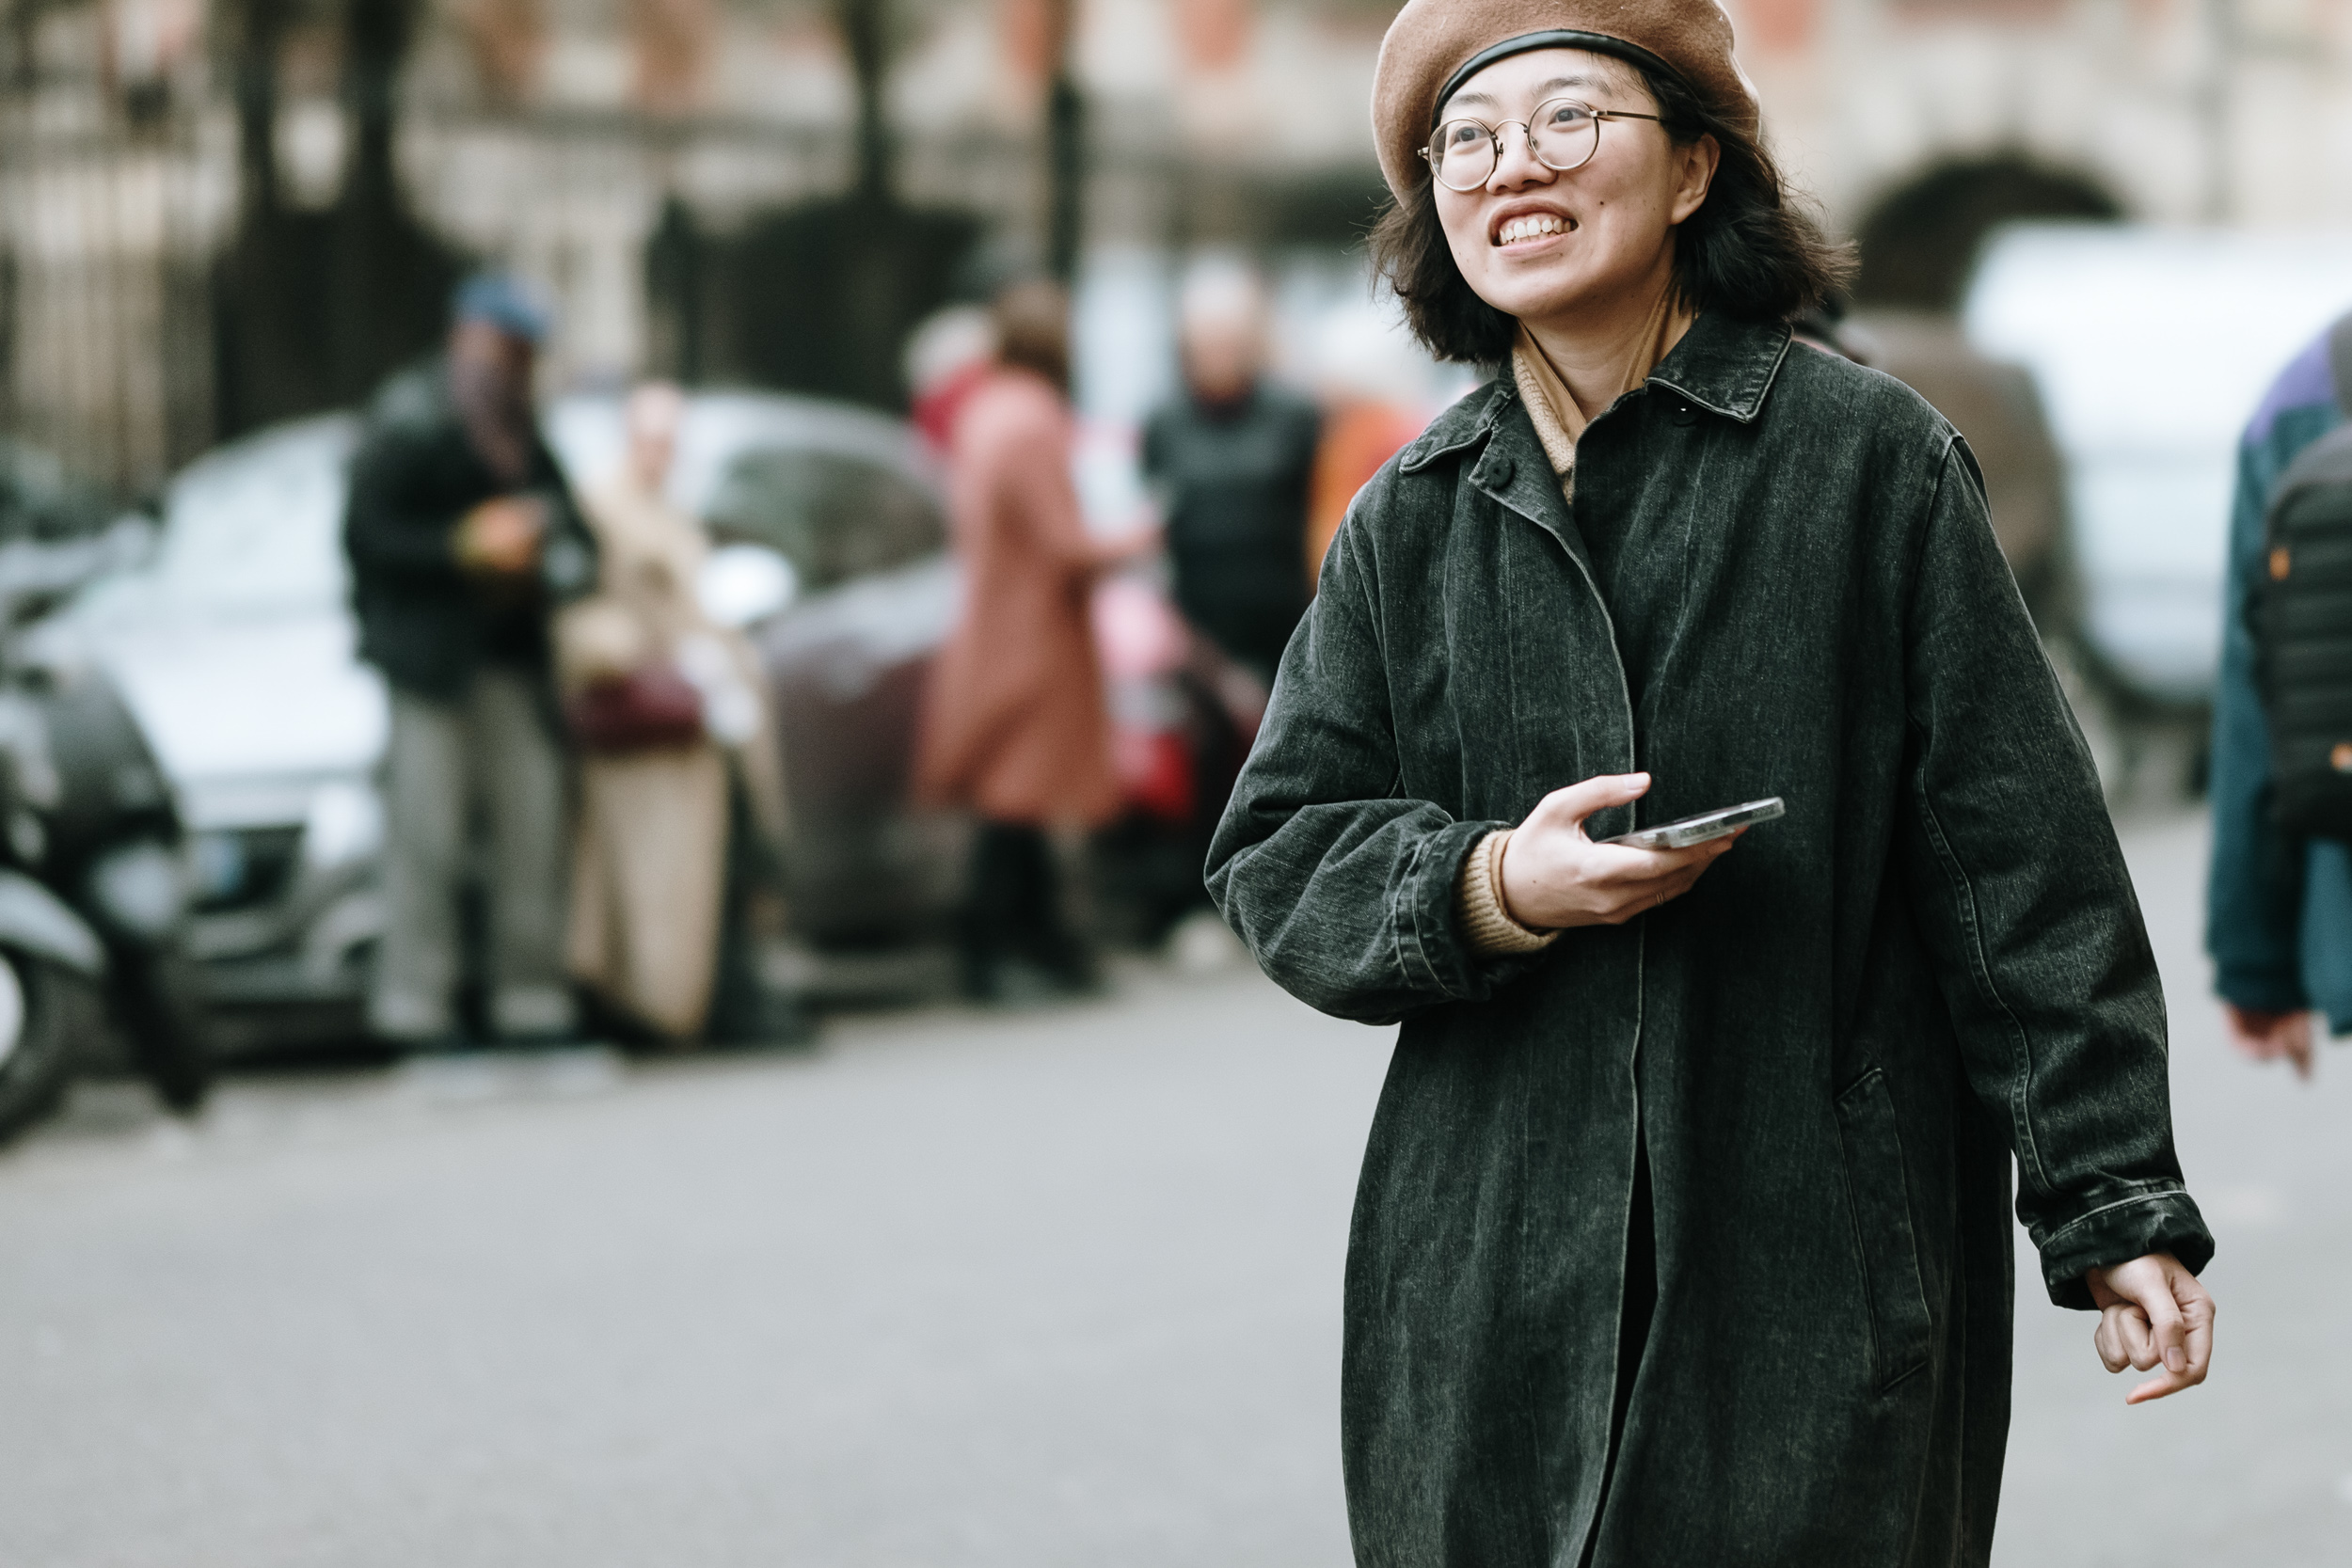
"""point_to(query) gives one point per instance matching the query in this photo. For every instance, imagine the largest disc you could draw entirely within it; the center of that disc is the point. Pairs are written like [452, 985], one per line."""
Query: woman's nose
[1517, 163]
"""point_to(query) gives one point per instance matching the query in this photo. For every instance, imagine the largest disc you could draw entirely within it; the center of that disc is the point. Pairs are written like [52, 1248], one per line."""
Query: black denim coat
[1829, 1049]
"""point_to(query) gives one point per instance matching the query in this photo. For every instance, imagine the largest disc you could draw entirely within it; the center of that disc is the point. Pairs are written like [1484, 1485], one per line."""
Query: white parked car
[235, 644]
[2151, 347]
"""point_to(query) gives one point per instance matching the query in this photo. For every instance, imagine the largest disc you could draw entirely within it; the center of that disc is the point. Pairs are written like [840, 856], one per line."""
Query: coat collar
[1513, 469]
[1465, 424]
[1724, 365]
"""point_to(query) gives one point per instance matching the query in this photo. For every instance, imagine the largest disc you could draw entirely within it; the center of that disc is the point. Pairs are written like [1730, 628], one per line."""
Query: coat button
[1683, 414]
[1503, 469]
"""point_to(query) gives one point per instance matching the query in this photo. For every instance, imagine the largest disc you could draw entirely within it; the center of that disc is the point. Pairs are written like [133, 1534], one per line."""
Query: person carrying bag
[666, 712]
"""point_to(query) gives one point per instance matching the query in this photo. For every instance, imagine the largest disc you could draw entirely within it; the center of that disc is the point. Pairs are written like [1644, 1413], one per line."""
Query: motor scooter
[93, 887]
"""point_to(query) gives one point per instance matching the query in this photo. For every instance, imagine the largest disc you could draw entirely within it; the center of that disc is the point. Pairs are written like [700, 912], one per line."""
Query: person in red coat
[1015, 729]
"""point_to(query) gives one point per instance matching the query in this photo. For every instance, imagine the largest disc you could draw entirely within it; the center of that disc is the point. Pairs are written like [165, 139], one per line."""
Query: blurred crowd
[1248, 479]
[549, 666]
[565, 711]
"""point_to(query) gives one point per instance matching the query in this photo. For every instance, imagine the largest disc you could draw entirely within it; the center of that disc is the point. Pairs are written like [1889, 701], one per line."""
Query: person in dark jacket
[1681, 1234]
[462, 536]
[2277, 912]
[1234, 457]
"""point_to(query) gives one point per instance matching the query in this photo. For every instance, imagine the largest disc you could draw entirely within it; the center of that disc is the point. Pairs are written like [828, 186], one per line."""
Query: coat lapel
[1575, 719]
[1515, 473]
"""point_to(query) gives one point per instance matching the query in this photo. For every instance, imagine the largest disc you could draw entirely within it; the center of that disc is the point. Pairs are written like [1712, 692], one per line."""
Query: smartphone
[1685, 831]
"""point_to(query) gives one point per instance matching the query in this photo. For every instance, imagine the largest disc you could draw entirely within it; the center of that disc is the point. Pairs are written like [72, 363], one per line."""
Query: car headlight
[141, 889]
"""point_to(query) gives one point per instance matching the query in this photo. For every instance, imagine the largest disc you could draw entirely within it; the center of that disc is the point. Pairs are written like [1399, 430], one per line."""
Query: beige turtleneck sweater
[1486, 918]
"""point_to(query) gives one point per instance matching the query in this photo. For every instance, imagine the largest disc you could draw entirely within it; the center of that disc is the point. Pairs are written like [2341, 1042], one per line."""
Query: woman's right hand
[1554, 875]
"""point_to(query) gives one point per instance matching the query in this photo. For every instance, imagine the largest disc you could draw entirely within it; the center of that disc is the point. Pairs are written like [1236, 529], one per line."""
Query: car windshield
[833, 516]
[256, 528]
[260, 528]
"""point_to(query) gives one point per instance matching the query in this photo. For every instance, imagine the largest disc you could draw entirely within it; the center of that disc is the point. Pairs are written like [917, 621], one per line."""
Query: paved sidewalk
[2254, 1468]
[959, 1290]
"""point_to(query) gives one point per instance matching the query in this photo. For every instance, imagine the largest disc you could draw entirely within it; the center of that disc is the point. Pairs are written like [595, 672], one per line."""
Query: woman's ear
[1699, 161]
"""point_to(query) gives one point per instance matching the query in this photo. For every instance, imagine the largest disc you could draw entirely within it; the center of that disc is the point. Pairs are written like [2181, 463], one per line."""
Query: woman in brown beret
[1681, 1237]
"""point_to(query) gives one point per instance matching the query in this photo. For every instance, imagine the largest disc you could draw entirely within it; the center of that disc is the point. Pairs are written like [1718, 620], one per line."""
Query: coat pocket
[1881, 1200]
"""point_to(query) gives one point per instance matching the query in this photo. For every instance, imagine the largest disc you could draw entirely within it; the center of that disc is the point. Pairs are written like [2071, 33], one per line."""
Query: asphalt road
[1037, 1289]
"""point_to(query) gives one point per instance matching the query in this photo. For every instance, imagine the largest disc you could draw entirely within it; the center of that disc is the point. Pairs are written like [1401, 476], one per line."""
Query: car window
[835, 517]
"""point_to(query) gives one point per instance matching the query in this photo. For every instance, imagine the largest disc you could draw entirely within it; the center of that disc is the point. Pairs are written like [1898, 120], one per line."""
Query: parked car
[851, 500]
[234, 646]
[2151, 348]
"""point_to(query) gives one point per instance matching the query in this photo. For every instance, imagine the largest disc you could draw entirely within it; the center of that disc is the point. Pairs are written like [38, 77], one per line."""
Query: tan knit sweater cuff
[1486, 925]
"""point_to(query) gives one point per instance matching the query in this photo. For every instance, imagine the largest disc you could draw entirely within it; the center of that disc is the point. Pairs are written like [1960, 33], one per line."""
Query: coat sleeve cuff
[2259, 989]
[2117, 1232]
[1433, 950]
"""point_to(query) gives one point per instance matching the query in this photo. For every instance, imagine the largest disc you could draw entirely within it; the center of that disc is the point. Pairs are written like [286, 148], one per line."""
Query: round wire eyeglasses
[1563, 134]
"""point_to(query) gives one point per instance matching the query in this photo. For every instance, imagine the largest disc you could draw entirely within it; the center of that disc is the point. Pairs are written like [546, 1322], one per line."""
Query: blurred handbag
[649, 710]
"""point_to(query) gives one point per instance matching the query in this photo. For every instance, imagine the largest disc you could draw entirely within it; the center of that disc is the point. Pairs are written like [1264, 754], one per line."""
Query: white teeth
[1530, 227]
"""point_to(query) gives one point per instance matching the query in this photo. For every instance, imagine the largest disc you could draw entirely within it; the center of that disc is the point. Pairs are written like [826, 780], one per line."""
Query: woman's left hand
[2153, 1312]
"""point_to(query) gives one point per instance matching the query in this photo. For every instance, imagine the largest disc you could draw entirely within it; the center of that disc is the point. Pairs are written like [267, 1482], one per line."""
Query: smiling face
[1550, 246]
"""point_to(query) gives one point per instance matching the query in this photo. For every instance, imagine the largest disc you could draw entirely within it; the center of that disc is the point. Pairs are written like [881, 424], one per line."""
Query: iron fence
[132, 298]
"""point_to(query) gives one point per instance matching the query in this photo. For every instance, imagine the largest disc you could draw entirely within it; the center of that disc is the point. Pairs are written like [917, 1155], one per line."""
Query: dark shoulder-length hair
[1749, 251]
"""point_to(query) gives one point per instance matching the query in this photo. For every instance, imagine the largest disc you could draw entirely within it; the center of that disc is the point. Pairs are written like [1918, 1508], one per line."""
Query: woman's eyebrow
[1553, 85]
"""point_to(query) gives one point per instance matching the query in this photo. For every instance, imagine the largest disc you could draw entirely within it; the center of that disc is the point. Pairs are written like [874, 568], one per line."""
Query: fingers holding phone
[1554, 874]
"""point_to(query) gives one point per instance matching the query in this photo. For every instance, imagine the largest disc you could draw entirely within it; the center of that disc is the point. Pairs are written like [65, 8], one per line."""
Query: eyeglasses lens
[1563, 135]
[1462, 154]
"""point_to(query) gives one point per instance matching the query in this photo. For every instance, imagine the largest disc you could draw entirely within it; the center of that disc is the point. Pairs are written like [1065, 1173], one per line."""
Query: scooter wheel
[42, 1012]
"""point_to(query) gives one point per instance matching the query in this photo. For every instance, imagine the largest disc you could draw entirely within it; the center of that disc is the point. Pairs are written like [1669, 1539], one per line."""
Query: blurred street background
[946, 1192]
[1054, 1289]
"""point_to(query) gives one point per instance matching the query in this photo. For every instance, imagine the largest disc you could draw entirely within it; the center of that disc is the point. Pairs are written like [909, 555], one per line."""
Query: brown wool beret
[1435, 45]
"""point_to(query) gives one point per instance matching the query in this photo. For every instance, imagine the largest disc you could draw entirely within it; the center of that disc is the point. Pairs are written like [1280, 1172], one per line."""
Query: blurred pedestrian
[463, 538]
[2278, 907]
[1014, 726]
[1683, 1231]
[1231, 457]
[947, 358]
[667, 709]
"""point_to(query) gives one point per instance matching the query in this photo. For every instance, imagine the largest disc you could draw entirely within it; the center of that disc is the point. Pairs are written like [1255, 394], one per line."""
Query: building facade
[561, 136]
